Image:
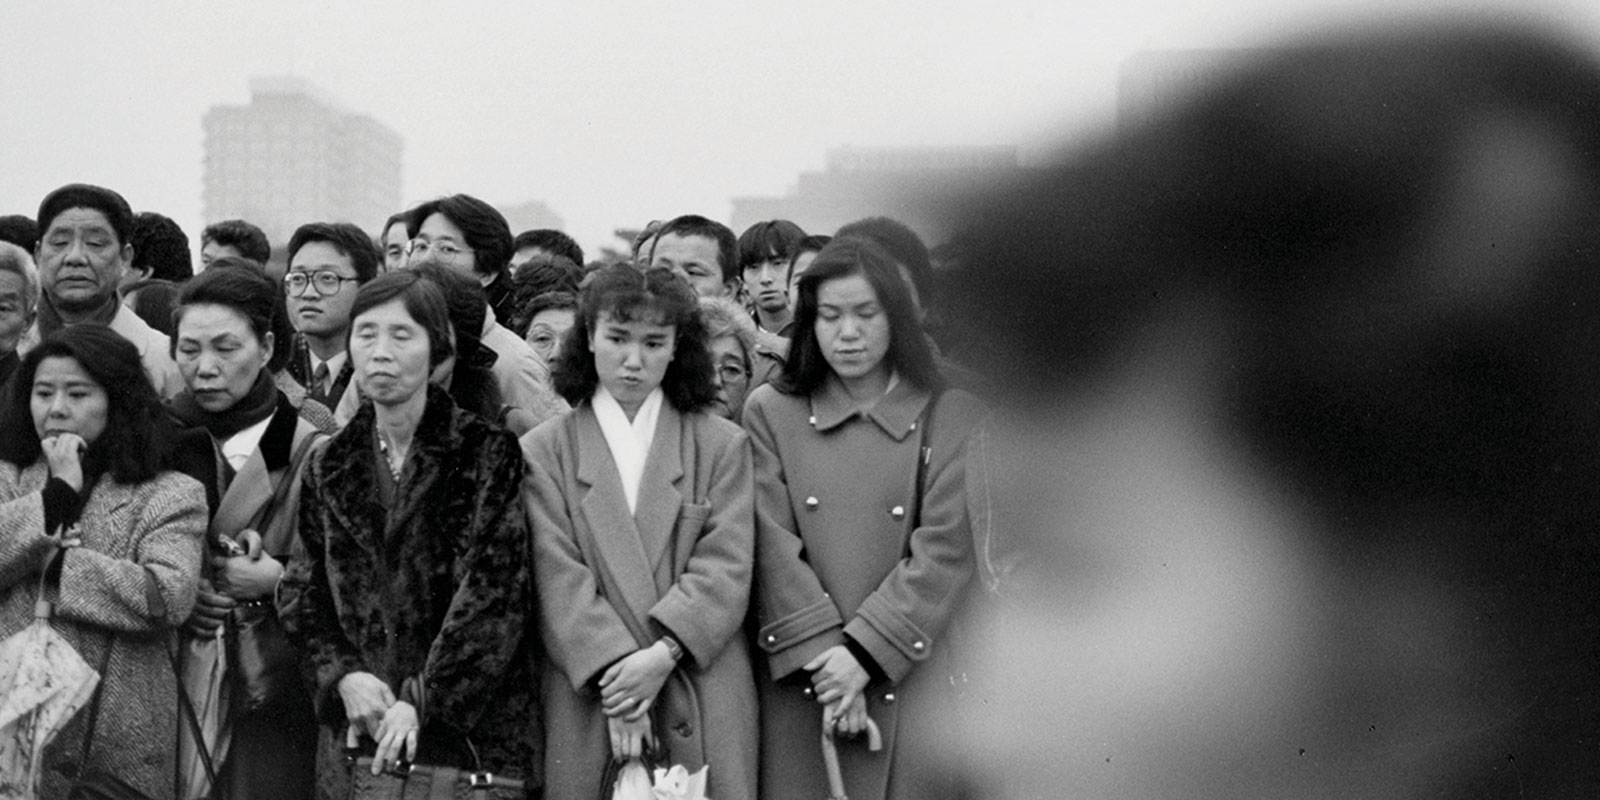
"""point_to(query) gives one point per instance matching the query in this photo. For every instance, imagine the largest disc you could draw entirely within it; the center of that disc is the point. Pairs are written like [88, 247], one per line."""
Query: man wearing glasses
[328, 262]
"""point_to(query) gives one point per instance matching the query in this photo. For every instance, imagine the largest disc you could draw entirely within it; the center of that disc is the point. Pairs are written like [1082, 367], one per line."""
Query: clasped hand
[63, 452]
[838, 681]
[249, 575]
[629, 687]
[371, 708]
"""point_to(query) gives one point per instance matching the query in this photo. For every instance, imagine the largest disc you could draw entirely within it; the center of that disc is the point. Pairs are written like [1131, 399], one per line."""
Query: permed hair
[627, 294]
[162, 247]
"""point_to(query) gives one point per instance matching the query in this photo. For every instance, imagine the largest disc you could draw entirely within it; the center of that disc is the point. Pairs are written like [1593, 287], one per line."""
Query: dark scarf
[251, 409]
[50, 320]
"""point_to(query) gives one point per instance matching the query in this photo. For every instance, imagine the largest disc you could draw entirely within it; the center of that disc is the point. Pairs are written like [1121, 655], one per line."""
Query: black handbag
[265, 667]
[407, 781]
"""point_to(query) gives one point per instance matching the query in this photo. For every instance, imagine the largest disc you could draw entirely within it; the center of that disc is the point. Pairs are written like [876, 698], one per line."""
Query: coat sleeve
[798, 620]
[899, 623]
[707, 604]
[23, 541]
[154, 589]
[582, 633]
[305, 600]
[483, 629]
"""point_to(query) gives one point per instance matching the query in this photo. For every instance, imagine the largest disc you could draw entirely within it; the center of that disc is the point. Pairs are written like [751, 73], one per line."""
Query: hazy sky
[611, 113]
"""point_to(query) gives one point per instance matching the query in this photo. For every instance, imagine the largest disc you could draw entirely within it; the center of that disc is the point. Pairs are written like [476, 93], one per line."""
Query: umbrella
[43, 683]
[830, 755]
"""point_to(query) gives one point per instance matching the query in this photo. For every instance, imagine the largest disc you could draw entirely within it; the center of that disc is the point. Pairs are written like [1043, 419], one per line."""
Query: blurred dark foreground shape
[1298, 443]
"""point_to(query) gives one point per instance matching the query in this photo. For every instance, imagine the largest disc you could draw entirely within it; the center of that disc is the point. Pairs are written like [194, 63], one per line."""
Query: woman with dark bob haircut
[639, 501]
[411, 592]
[864, 541]
[82, 490]
[251, 442]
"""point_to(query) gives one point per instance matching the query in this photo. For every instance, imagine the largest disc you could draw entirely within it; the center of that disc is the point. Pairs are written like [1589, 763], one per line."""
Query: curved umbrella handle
[830, 755]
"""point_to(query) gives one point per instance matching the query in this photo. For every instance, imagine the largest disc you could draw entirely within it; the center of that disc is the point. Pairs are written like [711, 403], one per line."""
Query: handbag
[630, 780]
[408, 781]
[264, 666]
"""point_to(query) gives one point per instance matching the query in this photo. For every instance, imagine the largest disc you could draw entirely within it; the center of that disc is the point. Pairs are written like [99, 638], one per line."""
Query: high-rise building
[294, 155]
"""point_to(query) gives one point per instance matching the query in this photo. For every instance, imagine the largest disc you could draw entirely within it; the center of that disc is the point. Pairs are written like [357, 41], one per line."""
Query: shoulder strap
[924, 458]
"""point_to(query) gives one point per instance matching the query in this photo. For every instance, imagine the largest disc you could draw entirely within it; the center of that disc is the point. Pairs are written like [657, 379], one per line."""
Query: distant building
[531, 215]
[294, 155]
[910, 184]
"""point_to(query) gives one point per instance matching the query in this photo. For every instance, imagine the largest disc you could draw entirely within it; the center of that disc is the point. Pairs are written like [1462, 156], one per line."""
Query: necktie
[319, 383]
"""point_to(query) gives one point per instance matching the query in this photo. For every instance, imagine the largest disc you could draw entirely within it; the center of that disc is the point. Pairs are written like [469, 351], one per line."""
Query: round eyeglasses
[326, 282]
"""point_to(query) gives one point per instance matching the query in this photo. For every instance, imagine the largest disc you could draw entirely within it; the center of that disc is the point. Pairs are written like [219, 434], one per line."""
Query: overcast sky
[611, 113]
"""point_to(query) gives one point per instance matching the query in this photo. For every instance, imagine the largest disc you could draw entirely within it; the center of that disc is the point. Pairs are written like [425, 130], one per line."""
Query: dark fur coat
[436, 587]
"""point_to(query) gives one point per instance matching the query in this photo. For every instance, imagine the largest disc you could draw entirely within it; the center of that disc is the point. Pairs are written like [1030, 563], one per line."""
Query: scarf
[50, 320]
[252, 408]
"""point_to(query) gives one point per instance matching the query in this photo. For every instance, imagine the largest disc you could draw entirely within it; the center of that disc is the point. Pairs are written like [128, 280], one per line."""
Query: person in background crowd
[82, 255]
[153, 302]
[395, 241]
[283, 331]
[805, 251]
[703, 251]
[160, 253]
[766, 250]
[550, 316]
[81, 488]
[1303, 476]
[19, 301]
[236, 238]
[258, 441]
[639, 504]
[412, 594]
[541, 275]
[467, 234]
[328, 263]
[864, 541]
[645, 242]
[547, 242]
[469, 375]
[731, 338]
[19, 230]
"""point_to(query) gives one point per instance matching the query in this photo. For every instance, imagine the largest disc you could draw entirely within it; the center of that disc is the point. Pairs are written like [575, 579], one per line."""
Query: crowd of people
[336, 456]
[1275, 476]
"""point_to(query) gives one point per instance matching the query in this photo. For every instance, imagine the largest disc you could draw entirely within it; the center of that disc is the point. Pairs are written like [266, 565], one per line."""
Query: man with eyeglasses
[328, 263]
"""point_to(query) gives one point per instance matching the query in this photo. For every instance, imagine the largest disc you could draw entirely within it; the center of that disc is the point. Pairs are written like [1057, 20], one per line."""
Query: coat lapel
[352, 487]
[250, 490]
[615, 535]
[659, 500]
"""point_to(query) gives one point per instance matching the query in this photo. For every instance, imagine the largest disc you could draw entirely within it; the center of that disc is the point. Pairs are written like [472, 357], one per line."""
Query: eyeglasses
[326, 282]
[732, 373]
[443, 250]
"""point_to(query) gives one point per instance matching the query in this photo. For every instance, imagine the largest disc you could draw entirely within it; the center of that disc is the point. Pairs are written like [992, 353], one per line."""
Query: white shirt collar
[629, 441]
[238, 447]
[335, 363]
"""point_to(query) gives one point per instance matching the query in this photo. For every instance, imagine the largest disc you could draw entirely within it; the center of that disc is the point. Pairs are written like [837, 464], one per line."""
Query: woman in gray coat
[859, 568]
[79, 473]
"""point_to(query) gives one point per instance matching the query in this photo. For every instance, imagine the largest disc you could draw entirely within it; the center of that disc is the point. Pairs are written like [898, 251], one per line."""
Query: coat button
[898, 512]
[888, 697]
[772, 639]
[812, 419]
[918, 646]
[806, 691]
[811, 503]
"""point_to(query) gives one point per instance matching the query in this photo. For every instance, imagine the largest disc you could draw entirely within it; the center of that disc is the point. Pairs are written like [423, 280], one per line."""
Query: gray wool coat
[140, 542]
[837, 554]
[610, 582]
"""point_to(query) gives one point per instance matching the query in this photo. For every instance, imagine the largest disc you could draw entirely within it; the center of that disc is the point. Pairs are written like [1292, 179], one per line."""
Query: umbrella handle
[830, 755]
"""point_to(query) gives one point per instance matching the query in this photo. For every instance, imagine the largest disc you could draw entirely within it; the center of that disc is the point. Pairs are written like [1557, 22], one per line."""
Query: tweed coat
[611, 582]
[436, 587]
[127, 588]
[837, 554]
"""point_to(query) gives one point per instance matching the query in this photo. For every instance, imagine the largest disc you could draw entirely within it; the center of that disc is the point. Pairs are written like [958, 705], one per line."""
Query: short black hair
[249, 240]
[137, 431]
[775, 238]
[552, 240]
[909, 355]
[83, 195]
[346, 238]
[627, 293]
[421, 298]
[486, 229]
[20, 230]
[162, 247]
[903, 245]
[540, 276]
[696, 225]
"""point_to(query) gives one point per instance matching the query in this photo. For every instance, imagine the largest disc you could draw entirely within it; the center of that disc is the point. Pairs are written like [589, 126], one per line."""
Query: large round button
[898, 512]
[811, 503]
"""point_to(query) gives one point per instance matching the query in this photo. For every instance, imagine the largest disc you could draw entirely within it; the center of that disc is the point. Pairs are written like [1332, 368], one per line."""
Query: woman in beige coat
[640, 506]
[859, 568]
